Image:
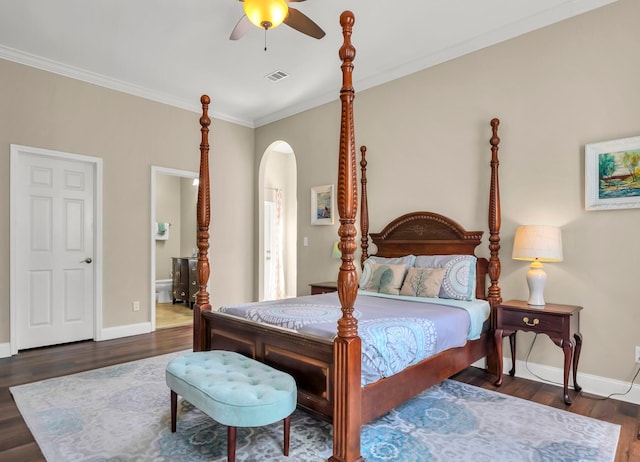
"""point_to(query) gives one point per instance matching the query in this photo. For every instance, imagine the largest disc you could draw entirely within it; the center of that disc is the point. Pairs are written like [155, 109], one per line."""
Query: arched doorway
[278, 222]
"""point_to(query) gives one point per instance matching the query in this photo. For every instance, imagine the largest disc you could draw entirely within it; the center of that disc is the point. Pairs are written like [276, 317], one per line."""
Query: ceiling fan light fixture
[266, 14]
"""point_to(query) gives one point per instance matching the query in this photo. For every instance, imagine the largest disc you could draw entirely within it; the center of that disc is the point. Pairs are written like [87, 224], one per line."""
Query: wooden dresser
[185, 282]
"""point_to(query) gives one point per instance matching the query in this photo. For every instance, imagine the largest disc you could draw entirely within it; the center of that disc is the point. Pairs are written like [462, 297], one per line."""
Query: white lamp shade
[538, 242]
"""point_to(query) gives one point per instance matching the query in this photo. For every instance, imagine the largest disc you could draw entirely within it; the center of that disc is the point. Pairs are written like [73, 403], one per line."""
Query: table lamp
[537, 244]
[335, 251]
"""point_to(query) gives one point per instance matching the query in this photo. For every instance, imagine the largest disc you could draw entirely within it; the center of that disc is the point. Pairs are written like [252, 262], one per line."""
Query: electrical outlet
[136, 306]
[638, 354]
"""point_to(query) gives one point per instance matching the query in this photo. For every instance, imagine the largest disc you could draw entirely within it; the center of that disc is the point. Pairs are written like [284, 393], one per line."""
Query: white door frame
[13, 232]
[155, 170]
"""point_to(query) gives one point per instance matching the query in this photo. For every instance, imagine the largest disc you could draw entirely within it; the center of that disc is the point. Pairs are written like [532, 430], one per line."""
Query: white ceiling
[173, 51]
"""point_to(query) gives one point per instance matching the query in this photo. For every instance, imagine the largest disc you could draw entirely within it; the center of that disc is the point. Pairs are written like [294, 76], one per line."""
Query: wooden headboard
[427, 233]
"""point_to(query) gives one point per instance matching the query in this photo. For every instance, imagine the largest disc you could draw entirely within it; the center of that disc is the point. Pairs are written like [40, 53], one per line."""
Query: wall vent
[277, 76]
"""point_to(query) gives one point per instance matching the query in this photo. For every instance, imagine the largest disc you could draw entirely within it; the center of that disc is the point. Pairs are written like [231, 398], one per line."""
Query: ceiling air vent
[277, 76]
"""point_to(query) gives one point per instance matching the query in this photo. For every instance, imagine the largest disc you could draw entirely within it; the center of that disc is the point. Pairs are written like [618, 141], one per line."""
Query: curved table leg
[512, 342]
[576, 358]
[498, 341]
[567, 347]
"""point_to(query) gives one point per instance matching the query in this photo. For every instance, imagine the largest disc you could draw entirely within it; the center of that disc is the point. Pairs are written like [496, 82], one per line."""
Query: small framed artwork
[612, 174]
[322, 210]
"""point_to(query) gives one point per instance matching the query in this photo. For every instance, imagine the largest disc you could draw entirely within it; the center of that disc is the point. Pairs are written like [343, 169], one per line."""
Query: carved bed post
[347, 344]
[494, 294]
[364, 207]
[204, 218]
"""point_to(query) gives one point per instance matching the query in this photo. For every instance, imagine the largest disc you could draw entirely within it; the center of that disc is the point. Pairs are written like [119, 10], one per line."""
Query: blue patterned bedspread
[395, 332]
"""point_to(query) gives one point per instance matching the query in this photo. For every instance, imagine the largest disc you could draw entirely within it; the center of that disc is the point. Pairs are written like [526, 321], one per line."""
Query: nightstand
[560, 322]
[323, 287]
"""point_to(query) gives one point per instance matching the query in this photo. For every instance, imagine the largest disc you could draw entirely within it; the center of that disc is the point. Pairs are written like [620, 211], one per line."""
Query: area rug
[122, 413]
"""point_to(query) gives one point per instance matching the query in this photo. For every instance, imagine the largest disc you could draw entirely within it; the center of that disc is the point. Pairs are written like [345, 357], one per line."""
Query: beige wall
[554, 90]
[130, 134]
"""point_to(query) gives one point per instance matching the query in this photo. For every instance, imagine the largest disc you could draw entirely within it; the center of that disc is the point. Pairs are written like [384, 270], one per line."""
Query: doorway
[56, 247]
[173, 240]
[278, 223]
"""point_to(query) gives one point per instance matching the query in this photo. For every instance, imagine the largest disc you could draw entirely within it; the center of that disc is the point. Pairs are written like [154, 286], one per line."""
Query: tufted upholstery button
[233, 390]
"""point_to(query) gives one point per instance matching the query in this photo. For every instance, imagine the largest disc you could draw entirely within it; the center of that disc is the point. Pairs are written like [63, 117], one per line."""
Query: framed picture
[322, 210]
[612, 174]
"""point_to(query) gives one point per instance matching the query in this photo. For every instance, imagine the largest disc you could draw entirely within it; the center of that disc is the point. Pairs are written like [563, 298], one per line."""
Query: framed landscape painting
[322, 205]
[612, 174]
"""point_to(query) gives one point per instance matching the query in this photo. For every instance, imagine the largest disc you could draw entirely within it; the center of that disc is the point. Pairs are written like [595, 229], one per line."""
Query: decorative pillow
[459, 282]
[423, 282]
[407, 261]
[386, 279]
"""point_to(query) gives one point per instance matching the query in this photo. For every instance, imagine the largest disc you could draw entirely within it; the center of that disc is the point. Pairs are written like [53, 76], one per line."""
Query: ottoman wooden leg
[174, 409]
[231, 444]
[287, 429]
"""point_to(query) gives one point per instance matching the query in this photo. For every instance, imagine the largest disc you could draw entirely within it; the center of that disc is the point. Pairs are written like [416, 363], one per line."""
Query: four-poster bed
[328, 371]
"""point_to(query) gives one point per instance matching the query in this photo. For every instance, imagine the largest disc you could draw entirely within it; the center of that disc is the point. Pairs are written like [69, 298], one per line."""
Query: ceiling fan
[268, 14]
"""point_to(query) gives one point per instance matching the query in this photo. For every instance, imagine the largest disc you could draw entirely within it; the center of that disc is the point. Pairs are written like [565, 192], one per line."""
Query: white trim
[542, 19]
[15, 150]
[567, 9]
[5, 350]
[45, 64]
[592, 384]
[111, 333]
[152, 284]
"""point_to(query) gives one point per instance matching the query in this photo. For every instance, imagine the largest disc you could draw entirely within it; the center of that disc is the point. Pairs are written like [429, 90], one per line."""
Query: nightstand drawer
[532, 321]
[560, 322]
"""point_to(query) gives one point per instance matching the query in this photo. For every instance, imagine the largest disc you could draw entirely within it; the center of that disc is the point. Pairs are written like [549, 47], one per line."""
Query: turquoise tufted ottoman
[233, 390]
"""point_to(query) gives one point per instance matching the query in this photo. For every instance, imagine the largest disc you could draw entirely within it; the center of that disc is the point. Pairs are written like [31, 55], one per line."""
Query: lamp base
[536, 279]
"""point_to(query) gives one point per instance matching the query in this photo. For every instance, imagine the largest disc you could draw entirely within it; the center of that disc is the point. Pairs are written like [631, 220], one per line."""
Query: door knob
[86, 260]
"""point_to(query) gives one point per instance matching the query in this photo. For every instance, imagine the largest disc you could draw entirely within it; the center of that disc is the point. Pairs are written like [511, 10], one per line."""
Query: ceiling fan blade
[302, 23]
[241, 28]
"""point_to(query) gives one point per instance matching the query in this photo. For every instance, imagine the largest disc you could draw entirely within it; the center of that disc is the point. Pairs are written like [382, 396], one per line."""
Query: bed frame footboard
[308, 359]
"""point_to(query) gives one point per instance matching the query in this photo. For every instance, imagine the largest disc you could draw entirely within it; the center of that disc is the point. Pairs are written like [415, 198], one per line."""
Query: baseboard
[592, 384]
[107, 333]
[5, 350]
[110, 333]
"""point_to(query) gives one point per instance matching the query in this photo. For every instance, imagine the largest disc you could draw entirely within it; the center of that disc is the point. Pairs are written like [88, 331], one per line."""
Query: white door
[54, 249]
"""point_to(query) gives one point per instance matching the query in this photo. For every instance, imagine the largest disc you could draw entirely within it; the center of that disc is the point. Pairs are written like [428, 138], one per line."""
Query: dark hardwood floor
[625, 414]
[17, 443]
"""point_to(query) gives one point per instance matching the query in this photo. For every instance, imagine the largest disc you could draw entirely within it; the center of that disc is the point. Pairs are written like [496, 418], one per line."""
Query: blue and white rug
[122, 413]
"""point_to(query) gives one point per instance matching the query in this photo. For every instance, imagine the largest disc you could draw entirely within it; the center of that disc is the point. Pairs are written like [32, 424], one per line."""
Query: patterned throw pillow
[386, 279]
[423, 282]
[459, 281]
[407, 261]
